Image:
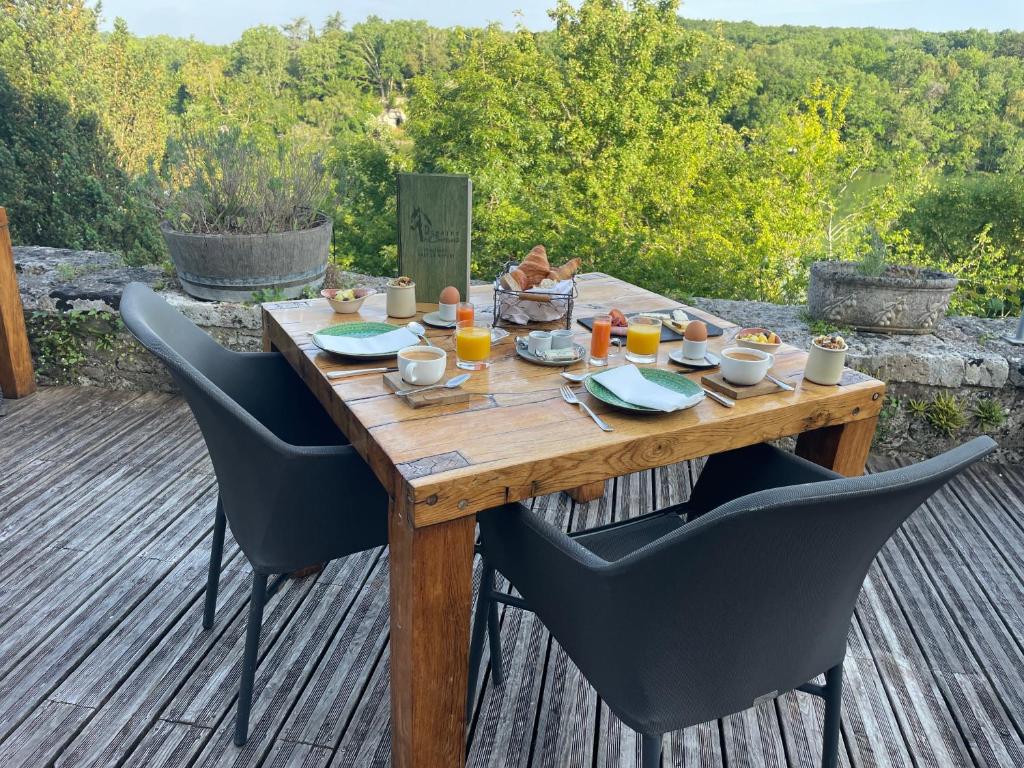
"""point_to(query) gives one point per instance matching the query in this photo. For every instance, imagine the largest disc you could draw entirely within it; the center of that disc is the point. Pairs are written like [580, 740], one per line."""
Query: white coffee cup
[561, 339]
[446, 312]
[421, 365]
[538, 342]
[694, 350]
[745, 366]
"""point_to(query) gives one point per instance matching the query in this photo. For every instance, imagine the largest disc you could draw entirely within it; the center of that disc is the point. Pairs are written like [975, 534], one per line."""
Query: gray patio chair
[677, 623]
[291, 491]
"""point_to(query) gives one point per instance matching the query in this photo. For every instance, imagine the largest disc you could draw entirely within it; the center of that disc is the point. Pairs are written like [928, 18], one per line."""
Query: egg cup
[694, 350]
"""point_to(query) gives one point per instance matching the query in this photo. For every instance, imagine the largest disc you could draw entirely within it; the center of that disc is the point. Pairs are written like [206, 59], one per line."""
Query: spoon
[420, 331]
[453, 383]
[574, 377]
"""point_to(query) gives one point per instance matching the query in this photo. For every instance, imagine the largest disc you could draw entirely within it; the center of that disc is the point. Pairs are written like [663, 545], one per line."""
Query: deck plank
[567, 721]
[505, 722]
[105, 518]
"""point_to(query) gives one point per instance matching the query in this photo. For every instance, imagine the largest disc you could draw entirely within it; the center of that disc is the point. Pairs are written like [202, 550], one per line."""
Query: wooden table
[516, 439]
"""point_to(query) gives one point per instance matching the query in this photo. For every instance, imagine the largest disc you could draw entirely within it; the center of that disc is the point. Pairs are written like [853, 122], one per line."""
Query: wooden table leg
[842, 447]
[588, 492]
[431, 592]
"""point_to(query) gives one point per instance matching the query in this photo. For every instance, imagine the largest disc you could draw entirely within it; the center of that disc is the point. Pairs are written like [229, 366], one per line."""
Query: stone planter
[234, 267]
[901, 300]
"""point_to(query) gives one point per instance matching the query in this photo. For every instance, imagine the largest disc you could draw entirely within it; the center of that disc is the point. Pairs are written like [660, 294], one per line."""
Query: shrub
[946, 415]
[61, 183]
[222, 183]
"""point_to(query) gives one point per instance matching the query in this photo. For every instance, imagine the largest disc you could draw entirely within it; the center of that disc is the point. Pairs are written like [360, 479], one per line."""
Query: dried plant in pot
[242, 221]
[876, 296]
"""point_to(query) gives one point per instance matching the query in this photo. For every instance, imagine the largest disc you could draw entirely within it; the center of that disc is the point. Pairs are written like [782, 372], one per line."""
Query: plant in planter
[874, 295]
[240, 221]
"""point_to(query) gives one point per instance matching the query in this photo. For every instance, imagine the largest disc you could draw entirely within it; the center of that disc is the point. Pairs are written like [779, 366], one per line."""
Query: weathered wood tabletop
[514, 439]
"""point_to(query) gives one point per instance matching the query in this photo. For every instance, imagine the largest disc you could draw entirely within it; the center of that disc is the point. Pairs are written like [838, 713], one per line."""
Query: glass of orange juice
[473, 343]
[463, 311]
[642, 338]
[600, 340]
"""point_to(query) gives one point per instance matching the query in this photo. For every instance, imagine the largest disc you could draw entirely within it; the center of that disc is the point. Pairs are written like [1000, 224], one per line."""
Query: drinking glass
[642, 338]
[473, 343]
[464, 311]
[600, 340]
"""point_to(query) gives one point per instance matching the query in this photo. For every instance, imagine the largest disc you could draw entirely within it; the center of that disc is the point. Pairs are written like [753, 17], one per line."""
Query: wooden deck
[106, 510]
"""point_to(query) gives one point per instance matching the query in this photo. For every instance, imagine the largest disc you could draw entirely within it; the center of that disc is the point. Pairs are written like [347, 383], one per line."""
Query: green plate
[356, 330]
[667, 379]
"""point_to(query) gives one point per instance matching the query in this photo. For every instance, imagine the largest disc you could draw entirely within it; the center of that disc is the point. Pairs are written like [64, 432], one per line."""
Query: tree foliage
[691, 157]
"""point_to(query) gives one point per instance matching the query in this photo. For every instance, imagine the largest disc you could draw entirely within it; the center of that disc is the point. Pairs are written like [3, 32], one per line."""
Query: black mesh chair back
[751, 599]
[260, 475]
[293, 493]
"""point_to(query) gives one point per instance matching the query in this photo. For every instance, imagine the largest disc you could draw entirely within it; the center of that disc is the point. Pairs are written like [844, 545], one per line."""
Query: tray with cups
[552, 348]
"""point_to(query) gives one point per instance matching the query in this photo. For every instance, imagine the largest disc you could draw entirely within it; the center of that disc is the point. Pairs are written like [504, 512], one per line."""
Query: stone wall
[71, 303]
[965, 359]
[963, 372]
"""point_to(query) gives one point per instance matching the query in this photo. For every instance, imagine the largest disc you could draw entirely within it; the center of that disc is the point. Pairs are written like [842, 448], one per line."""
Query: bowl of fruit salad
[759, 338]
[346, 300]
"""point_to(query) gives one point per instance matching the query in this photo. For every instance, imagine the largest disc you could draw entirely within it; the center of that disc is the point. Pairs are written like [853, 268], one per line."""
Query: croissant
[535, 268]
[565, 271]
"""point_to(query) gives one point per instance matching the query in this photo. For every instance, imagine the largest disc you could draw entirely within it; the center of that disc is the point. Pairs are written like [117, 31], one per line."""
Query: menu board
[435, 214]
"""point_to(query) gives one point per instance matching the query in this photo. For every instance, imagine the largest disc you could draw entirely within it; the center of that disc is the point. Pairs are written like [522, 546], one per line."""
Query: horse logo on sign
[421, 223]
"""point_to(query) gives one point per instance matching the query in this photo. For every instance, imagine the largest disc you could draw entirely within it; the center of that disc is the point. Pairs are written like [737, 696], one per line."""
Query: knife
[359, 371]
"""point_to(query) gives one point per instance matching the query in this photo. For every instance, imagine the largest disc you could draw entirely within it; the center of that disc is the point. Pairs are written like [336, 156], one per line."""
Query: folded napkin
[381, 344]
[629, 385]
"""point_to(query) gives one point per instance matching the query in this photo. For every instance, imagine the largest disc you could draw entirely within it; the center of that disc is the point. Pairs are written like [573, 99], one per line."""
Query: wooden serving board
[393, 381]
[717, 382]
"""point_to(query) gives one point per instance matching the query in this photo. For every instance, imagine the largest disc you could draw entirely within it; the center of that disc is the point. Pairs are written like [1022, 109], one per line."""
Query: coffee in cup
[421, 365]
[745, 366]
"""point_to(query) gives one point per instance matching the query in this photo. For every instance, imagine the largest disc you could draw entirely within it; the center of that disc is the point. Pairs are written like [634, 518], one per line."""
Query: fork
[570, 397]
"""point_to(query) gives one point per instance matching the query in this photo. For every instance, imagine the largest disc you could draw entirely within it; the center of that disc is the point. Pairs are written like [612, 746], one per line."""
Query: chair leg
[650, 751]
[476, 642]
[494, 634]
[251, 656]
[216, 555]
[833, 716]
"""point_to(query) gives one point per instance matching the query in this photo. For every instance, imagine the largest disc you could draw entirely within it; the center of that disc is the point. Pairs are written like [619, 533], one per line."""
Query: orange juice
[643, 340]
[600, 340]
[463, 311]
[473, 344]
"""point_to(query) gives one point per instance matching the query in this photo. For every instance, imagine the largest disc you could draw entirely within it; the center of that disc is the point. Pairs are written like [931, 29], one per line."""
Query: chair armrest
[743, 471]
[542, 562]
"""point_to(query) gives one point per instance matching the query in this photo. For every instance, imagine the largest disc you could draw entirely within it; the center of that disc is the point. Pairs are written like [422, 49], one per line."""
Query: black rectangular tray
[667, 334]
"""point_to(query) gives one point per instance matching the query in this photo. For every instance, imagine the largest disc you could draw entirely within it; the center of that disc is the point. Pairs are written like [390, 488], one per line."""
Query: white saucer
[434, 319]
[712, 361]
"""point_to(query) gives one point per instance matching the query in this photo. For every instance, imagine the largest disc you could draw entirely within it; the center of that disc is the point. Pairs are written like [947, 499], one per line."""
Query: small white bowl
[343, 307]
[771, 349]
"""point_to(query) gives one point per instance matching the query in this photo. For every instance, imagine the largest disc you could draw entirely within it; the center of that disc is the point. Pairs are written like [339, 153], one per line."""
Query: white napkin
[381, 344]
[629, 385]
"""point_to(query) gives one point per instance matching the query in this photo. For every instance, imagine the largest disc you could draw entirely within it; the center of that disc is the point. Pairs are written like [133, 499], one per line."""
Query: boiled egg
[695, 331]
[450, 295]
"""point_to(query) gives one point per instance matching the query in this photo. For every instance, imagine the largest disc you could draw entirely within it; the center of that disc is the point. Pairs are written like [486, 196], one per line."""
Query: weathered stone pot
[901, 300]
[234, 267]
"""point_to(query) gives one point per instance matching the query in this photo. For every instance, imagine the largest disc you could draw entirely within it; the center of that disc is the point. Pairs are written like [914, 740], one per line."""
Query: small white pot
[401, 300]
[825, 366]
